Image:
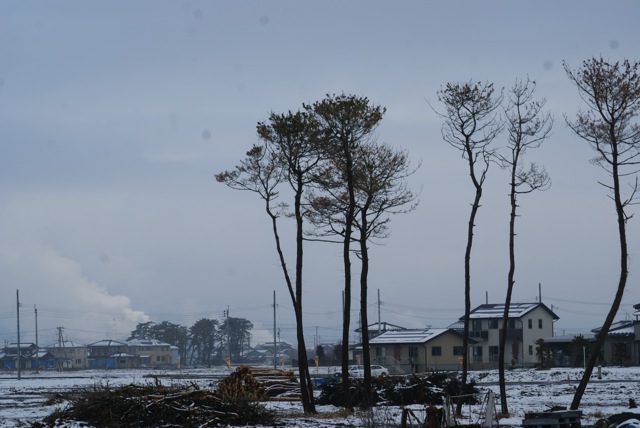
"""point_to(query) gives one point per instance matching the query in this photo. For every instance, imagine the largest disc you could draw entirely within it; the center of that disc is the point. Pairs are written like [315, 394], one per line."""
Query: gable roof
[107, 343]
[618, 328]
[516, 310]
[65, 344]
[382, 326]
[419, 336]
[146, 342]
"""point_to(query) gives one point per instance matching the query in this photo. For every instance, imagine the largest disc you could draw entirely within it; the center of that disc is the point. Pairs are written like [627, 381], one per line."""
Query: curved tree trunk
[624, 272]
[467, 290]
[307, 399]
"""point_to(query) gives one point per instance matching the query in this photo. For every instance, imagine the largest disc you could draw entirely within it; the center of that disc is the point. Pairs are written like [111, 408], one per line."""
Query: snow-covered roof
[122, 355]
[625, 331]
[382, 326]
[66, 344]
[408, 336]
[620, 328]
[107, 342]
[23, 345]
[146, 342]
[496, 310]
[565, 338]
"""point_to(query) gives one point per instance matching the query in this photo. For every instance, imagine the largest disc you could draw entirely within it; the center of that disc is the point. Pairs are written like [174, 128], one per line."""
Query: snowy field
[23, 401]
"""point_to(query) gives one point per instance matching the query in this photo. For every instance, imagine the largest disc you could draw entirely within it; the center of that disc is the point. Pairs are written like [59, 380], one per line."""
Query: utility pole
[61, 350]
[539, 292]
[37, 347]
[229, 332]
[379, 320]
[18, 317]
[60, 336]
[275, 346]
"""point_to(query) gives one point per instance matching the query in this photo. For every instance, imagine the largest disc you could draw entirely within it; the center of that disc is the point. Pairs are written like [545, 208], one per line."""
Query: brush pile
[399, 390]
[234, 401]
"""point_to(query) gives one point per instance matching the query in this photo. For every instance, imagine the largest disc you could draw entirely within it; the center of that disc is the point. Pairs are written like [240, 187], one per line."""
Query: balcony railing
[479, 334]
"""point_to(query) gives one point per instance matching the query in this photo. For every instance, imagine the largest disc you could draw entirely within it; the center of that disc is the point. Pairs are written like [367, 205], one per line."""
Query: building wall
[69, 358]
[519, 350]
[531, 335]
[159, 355]
[436, 354]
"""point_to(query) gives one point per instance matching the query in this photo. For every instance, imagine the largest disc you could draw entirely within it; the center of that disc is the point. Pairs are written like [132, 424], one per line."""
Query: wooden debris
[160, 406]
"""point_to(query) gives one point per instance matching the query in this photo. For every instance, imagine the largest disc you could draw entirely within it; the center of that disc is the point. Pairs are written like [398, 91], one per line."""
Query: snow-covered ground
[23, 401]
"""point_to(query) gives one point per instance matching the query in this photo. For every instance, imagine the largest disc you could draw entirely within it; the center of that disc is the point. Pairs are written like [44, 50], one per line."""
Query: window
[477, 354]
[494, 352]
[530, 323]
[511, 324]
[458, 351]
[476, 325]
[530, 349]
[493, 324]
[413, 354]
[539, 322]
[436, 351]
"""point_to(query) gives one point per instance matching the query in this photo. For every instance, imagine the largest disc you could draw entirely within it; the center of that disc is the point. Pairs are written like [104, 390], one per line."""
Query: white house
[527, 322]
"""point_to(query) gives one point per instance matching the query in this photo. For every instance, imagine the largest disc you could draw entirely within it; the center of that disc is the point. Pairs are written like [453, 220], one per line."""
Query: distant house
[111, 354]
[42, 360]
[10, 358]
[621, 347]
[526, 324]
[564, 352]
[152, 353]
[285, 353]
[411, 351]
[69, 355]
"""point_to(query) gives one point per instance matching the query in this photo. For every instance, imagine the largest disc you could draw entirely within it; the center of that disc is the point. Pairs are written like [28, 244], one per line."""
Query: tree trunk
[507, 300]
[347, 274]
[624, 255]
[467, 292]
[307, 399]
[364, 254]
[306, 386]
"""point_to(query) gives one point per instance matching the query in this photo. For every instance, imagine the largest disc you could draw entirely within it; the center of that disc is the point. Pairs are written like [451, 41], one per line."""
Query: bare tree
[612, 94]
[470, 125]
[290, 154]
[380, 174]
[346, 123]
[528, 126]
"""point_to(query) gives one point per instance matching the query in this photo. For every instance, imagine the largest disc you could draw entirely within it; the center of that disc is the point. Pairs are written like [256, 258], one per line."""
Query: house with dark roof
[111, 354]
[622, 345]
[412, 351]
[9, 359]
[378, 328]
[526, 324]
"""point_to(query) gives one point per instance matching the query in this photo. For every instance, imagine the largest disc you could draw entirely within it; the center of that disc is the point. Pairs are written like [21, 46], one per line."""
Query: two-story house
[111, 354]
[152, 353]
[412, 351]
[69, 355]
[526, 323]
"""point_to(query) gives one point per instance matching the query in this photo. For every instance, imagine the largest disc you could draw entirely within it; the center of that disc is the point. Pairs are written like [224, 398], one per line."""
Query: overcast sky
[115, 116]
